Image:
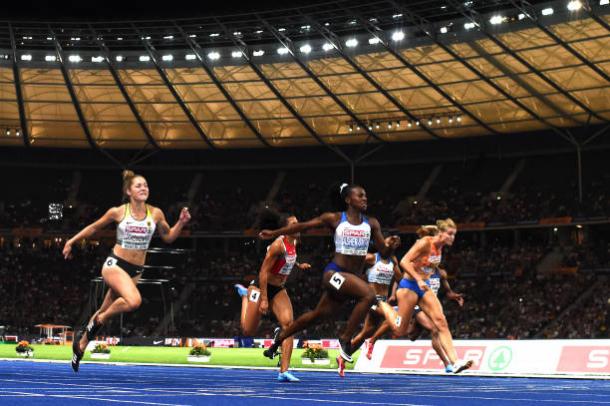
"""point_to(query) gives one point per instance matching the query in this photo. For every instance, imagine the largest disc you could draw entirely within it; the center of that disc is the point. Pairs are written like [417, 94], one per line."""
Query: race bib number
[336, 280]
[110, 262]
[254, 296]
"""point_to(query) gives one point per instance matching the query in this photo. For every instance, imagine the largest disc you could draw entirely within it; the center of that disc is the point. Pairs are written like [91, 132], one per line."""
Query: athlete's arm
[392, 298]
[303, 266]
[407, 262]
[113, 214]
[451, 295]
[397, 271]
[169, 235]
[326, 219]
[369, 259]
[385, 249]
[273, 253]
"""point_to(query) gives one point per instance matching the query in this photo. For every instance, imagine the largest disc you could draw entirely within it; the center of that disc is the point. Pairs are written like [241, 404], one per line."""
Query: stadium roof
[333, 73]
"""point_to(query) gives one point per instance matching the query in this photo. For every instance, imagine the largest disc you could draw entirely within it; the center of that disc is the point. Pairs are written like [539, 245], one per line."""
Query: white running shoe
[461, 365]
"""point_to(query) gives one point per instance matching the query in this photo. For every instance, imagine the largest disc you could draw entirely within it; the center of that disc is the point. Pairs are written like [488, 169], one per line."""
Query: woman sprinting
[267, 291]
[341, 279]
[137, 222]
[419, 264]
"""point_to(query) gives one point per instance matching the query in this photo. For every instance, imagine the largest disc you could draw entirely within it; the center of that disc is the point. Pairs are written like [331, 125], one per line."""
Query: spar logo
[424, 357]
[584, 359]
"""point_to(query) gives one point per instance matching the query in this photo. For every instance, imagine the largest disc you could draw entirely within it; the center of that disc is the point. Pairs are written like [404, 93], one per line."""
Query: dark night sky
[116, 9]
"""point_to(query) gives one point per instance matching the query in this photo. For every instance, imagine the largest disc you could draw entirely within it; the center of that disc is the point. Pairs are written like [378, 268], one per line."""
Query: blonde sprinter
[136, 224]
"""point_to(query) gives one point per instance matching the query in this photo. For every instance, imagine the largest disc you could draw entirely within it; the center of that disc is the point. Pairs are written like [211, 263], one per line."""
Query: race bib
[110, 262]
[254, 296]
[336, 280]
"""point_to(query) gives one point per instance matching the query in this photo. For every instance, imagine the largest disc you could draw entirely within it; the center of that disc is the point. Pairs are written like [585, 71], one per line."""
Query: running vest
[381, 272]
[283, 266]
[133, 234]
[352, 239]
[429, 263]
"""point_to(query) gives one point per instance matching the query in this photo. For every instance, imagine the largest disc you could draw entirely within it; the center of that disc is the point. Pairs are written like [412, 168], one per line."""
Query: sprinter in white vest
[137, 222]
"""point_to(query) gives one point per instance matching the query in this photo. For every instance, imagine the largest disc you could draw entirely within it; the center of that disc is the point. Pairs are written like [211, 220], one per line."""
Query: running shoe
[93, 328]
[346, 350]
[461, 365]
[341, 368]
[287, 377]
[369, 352]
[77, 354]
[241, 289]
[271, 352]
[449, 369]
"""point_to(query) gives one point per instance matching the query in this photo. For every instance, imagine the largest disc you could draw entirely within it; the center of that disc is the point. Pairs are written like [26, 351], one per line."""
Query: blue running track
[38, 383]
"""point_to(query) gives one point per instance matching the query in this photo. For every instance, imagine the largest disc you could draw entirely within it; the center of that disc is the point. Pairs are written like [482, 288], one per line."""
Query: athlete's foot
[461, 365]
[271, 352]
[449, 369]
[287, 377]
[93, 327]
[77, 352]
[346, 350]
[241, 289]
[341, 366]
[369, 352]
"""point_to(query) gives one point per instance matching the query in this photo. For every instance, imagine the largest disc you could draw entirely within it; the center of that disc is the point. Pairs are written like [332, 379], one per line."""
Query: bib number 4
[254, 296]
[337, 280]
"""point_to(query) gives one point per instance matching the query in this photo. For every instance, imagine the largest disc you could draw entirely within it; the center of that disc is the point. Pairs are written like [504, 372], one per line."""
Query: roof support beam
[425, 26]
[20, 104]
[151, 53]
[287, 43]
[485, 30]
[243, 48]
[336, 42]
[196, 48]
[521, 5]
[380, 35]
[117, 79]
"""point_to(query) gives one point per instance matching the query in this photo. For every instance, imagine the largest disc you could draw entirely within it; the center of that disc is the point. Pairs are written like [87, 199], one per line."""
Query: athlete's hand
[423, 285]
[67, 251]
[304, 266]
[185, 215]
[392, 299]
[458, 297]
[265, 235]
[263, 307]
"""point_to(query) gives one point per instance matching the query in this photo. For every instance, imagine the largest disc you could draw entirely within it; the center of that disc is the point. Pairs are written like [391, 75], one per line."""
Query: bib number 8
[254, 296]
[337, 280]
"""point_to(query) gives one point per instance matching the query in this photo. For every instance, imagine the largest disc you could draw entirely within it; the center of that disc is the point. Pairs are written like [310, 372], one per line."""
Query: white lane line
[116, 400]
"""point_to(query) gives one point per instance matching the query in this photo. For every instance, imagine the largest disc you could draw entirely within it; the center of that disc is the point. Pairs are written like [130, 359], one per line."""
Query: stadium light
[168, 57]
[119, 58]
[282, 50]
[26, 57]
[604, 2]
[50, 58]
[396, 16]
[214, 34]
[214, 55]
[281, 29]
[398, 36]
[444, 30]
[119, 38]
[75, 58]
[74, 38]
[374, 41]
[305, 49]
[258, 31]
[328, 46]
[574, 5]
[352, 42]
[547, 11]
[236, 54]
[190, 57]
[97, 59]
[521, 16]
[49, 38]
[459, 119]
[258, 52]
[469, 26]
[193, 36]
[237, 33]
[168, 37]
[144, 58]
[497, 19]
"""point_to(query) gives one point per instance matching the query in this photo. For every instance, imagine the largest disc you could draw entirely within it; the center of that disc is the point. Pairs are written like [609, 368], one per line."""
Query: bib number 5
[337, 280]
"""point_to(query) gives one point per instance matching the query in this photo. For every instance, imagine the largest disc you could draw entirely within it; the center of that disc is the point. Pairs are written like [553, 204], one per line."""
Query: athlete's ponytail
[271, 219]
[427, 231]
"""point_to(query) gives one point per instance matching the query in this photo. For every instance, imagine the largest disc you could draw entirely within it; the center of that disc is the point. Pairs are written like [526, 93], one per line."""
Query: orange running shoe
[369, 352]
[341, 368]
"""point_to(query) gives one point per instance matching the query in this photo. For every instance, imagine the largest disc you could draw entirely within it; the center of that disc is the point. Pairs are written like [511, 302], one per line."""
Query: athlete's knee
[133, 302]
[285, 323]
[440, 322]
[369, 298]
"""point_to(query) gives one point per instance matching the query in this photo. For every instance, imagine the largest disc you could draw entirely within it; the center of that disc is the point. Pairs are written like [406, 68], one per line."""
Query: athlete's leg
[381, 331]
[433, 309]
[129, 298]
[282, 308]
[370, 326]
[399, 321]
[250, 316]
[424, 321]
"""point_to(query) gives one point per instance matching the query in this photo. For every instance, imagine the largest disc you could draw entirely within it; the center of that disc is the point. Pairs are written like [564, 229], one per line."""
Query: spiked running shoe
[346, 350]
[77, 354]
[369, 351]
[461, 365]
[287, 377]
[241, 289]
[271, 352]
[341, 367]
[93, 328]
